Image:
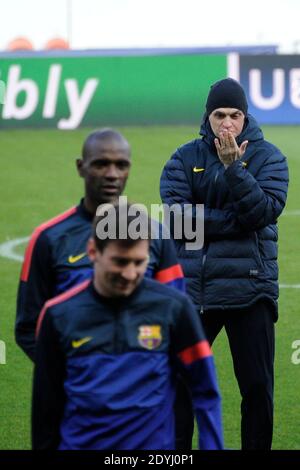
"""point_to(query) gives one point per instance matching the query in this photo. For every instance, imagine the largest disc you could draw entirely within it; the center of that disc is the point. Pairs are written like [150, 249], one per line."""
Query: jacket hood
[251, 131]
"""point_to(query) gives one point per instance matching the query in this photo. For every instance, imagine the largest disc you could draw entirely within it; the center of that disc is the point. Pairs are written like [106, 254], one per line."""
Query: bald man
[56, 258]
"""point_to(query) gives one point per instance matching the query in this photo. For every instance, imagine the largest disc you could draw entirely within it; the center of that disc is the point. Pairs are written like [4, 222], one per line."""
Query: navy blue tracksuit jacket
[56, 260]
[104, 372]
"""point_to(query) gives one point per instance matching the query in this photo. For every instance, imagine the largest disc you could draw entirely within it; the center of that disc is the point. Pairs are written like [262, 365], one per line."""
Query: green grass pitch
[38, 180]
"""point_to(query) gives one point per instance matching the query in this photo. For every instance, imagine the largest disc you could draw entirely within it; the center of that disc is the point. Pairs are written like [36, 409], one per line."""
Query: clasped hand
[227, 148]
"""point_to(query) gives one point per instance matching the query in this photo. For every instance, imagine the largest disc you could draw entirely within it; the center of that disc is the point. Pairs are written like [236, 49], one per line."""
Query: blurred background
[101, 24]
[69, 63]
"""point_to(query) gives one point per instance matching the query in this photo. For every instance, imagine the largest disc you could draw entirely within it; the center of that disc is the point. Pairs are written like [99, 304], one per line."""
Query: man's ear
[91, 249]
[79, 166]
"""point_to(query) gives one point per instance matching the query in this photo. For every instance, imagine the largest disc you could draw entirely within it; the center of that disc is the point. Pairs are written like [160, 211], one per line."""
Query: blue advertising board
[272, 85]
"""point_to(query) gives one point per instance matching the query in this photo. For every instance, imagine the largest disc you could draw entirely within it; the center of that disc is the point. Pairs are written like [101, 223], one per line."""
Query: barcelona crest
[150, 336]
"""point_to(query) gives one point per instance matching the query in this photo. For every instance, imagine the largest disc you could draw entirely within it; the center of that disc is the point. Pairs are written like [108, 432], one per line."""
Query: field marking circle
[292, 212]
[7, 251]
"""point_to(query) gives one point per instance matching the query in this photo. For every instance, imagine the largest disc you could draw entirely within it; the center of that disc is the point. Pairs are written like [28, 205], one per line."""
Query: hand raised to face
[227, 148]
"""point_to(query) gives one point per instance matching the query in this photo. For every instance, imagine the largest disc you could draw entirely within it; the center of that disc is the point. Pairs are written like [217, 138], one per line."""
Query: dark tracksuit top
[104, 371]
[56, 260]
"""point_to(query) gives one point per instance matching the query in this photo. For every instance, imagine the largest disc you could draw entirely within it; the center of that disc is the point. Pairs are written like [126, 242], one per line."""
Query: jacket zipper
[204, 261]
[202, 283]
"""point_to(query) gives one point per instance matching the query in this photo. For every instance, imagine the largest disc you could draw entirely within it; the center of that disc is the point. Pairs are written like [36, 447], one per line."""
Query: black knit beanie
[226, 93]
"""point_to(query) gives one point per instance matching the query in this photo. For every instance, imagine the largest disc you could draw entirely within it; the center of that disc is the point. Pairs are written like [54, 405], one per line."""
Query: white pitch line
[289, 286]
[288, 213]
[7, 251]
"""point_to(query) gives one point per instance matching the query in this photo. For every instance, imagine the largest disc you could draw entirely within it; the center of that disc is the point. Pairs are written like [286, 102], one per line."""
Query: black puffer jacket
[238, 262]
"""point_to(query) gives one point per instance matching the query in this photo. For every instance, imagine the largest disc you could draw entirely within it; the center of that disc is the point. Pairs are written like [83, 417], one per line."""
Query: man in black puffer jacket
[242, 181]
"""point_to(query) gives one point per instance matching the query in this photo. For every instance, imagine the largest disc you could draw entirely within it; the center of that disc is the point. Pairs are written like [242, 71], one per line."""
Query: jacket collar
[81, 210]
